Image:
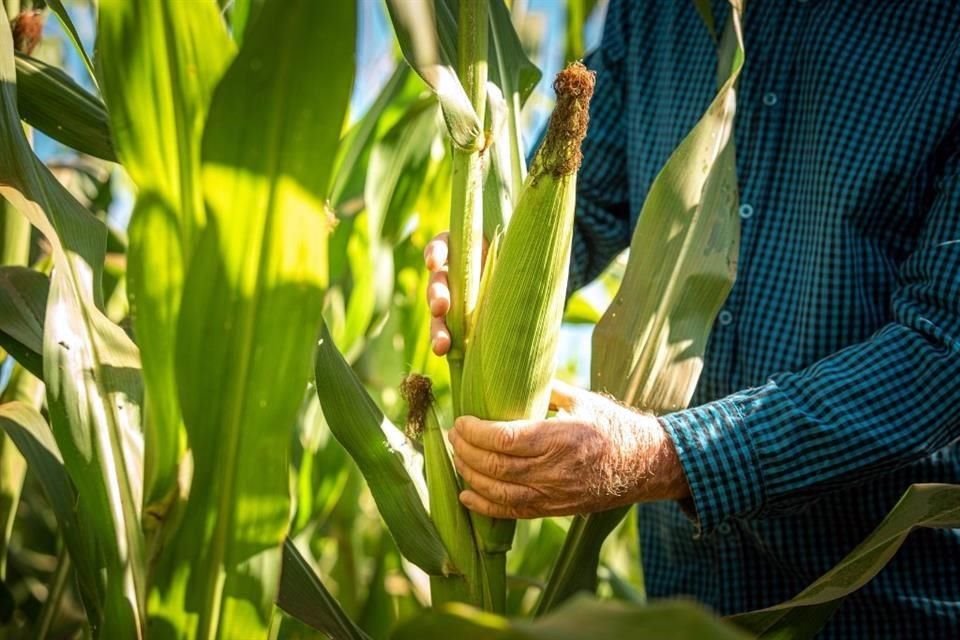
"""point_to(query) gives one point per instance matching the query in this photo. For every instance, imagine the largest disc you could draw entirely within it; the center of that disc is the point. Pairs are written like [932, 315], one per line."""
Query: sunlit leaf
[516, 75]
[250, 312]
[349, 171]
[23, 302]
[61, 12]
[51, 101]
[91, 368]
[427, 32]
[159, 63]
[244, 14]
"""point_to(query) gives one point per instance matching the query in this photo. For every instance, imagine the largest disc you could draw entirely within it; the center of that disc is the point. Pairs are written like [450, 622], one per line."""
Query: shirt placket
[762, 101]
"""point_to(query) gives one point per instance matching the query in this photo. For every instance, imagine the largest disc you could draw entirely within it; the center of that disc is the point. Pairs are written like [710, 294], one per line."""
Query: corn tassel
[511, 358]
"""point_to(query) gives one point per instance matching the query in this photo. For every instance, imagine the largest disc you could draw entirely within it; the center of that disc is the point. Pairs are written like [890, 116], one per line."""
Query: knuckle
[502, 494]
[494, 465]
[505, 439]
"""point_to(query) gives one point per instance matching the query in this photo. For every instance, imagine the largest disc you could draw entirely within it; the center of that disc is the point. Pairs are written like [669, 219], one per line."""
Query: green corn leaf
[706, 14]
[540, 540]
[323, 468]
[922, 505]
[244, 14]
[32, 436]
[14, 237]
[648, 347]
[16, 310]
[250, 313]
[427, 33]
[362, 253]
[575, 569]
[397, 170]
[583, 617]
[353, 154]
[160, 64]
[23, 302]
[303, 596]
[51, 101]
[91, 368]
[61, 12]
[586, 306]
[24, 387]
[391, 465]
[516, 76]
[577, 13]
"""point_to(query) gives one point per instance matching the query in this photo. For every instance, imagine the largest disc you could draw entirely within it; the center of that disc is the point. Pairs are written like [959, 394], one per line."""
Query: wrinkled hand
[595, 455]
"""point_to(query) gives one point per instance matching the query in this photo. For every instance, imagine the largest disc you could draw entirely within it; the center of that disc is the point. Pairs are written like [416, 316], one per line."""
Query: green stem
[466, 202]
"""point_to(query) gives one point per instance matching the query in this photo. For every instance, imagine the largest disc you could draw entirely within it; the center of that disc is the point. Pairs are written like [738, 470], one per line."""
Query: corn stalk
[466, 202]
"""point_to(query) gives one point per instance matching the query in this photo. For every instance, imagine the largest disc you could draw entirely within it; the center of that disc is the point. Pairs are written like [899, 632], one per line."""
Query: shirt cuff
[718, 459]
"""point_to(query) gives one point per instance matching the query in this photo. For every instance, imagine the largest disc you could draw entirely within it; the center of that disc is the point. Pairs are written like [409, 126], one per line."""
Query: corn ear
[511, 357]
[461, 580]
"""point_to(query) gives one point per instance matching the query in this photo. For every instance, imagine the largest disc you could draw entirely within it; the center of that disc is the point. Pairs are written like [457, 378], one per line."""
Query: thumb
[565, 397]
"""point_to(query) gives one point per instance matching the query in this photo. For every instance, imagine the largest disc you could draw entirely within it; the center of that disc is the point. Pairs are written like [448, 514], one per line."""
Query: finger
[439, 336]
[478, 504]
[490, 463]
[438, 294]
[435, 253]
[517, 437]
[516, 496]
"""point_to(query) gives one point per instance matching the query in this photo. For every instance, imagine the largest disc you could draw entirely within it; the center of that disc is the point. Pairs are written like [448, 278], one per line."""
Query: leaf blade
[91, 368]
[250, 311]
[386, 458]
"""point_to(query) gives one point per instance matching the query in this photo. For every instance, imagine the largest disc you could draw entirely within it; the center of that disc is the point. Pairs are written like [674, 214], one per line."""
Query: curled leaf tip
[568, 124]
[417, 390]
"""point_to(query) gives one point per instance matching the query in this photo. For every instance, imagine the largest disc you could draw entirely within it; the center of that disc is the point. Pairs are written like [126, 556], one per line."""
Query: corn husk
[511, 357]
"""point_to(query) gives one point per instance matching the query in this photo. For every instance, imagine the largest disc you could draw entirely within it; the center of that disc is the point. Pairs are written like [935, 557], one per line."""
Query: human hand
[438, 290]
[596, 454]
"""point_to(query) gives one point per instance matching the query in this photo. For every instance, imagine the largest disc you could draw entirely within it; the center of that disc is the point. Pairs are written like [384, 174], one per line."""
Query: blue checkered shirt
[831, 379]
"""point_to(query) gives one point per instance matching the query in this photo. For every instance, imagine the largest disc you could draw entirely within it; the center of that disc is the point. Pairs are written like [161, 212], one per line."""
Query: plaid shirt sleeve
[859, 413]
[602, 224]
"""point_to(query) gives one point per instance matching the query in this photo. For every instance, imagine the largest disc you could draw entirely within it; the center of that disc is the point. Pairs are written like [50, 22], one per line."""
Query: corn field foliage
[202, 433]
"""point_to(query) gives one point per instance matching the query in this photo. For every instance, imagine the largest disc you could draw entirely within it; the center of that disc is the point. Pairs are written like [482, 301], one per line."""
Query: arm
[857, 414]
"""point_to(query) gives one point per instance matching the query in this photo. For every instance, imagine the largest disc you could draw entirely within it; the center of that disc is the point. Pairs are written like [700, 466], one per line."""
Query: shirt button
[746, 210]
[770, 99]
[723, 529]
[724, 317]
